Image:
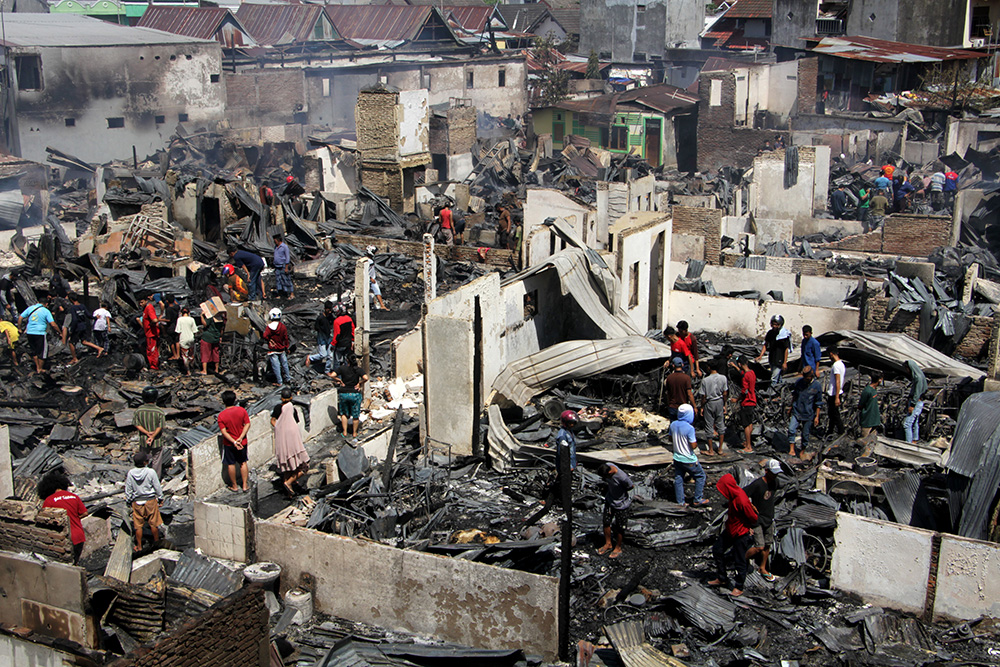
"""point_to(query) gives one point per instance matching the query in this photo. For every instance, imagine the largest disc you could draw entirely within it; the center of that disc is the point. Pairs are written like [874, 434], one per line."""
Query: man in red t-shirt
[747, 414]
[151, 327]
[447, 231]
[692, 343]
[234, 422]
[679, 348]
[54, 490]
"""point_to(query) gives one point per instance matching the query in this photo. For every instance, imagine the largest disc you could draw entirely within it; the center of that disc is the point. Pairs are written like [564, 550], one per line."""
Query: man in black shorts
[762, 492]
[617, 507]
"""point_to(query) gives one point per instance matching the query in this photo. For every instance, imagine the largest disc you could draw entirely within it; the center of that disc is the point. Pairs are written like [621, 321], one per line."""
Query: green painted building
[658, 123]
[113, 11]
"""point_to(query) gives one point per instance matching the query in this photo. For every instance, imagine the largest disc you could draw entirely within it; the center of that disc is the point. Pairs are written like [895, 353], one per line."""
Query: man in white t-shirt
[187, 331]
[836, 390]
[102, 328]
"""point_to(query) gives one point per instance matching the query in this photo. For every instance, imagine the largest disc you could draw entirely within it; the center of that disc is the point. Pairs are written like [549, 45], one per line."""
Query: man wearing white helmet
[276, 336]
[372, 279]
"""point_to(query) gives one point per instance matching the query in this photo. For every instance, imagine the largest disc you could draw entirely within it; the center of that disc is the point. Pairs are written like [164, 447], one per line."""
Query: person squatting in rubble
[746, 417]
[7, 296]
[777, 343]
[804, 410]
[617, 508]
[352, 378]
[144, 495]
[730, 549]
[762, 492]
[276, 335]
[39, 319]
[284, 288]
[234, 423]
[324, 335]
[565, 438]
[914, 402]
[685, 456]
[234, 285]
[293, 460]
[54, 491]
[150, 322]
[714, 391]
[149, 419]
[869, 415]
[376, 291]
[254, 265]
[10, 336]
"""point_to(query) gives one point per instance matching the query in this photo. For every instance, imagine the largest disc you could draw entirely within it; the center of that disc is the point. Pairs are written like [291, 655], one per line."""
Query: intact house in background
[633, 30]
[99, 90]
[746, 26]
[657, 123]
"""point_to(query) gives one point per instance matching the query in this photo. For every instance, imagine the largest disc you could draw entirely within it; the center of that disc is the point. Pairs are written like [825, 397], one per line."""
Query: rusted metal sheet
[200, 22]
[883, 51]
[279, 24]
[378, 22]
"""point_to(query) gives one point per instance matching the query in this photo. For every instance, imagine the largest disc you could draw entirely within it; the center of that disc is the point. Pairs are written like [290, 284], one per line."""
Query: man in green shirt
[869, 416]
[149, 419]
[211, 342]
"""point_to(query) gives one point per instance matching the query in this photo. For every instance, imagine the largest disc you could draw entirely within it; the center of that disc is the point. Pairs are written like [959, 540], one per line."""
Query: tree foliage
[593, 66]
[554, 84]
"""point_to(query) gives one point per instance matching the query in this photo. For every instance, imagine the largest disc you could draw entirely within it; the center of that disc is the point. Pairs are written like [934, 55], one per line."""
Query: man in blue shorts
[352, 380]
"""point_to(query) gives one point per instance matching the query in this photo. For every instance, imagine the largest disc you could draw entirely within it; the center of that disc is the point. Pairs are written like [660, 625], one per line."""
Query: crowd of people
[724, 389]
[894, 192]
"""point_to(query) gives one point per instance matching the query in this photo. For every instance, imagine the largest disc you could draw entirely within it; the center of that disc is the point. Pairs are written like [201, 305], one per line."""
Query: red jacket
[277, 338]
[742, 516]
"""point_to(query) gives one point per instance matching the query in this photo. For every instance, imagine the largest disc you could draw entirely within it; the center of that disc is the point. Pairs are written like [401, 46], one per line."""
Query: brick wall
[720, 143]
[877, 317]
[233, 633]
[915, 235]
[870, 242]
[808, 84]
[264, 97]
[975, 343]
[377, 122]
[706, 222]
[24, 527]
[384, 179]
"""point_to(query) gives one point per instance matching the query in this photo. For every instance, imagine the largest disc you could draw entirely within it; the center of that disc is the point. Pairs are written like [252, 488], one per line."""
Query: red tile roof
[750, 9]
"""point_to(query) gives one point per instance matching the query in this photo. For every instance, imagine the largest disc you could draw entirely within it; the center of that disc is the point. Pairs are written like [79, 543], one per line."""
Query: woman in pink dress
[293, 460]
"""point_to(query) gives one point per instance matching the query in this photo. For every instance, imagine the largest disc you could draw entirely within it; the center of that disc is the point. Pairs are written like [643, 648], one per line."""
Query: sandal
[769, 577]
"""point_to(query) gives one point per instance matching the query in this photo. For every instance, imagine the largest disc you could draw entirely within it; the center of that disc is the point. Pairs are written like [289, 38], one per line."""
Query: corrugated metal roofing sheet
[200, 22]
[473, 19]
[523, 18]
[569, 19]
[279, 24]
[901, 348]
[883, 51]
[378, 22]
[196, 571]
[977, 421]
[73, 30]
[901, 492]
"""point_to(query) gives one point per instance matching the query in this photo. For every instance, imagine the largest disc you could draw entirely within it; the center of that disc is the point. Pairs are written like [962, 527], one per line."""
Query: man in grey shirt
[617, 507]
[714, 391]
[144, 495]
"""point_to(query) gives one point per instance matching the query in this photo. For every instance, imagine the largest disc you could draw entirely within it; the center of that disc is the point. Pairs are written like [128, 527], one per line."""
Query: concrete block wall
[883, 563]
[223, 531]
[808, 84]
[377, 119]
[705, 222]
[23, 527]
[48, 598]
[720, 143]
[937, 575]
[796, 289]
[452, 599]
[205, 458]
[6, 473]
[233, 632]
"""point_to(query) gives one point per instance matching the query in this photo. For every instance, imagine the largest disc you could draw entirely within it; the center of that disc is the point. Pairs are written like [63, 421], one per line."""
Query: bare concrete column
[956, 217]
[430, 269]
[969, 284]
[993, 356]
[6, 474]
[362, 314]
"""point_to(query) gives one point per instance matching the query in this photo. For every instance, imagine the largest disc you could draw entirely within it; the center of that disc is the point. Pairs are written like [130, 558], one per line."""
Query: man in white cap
[762, 493]
[276, 336]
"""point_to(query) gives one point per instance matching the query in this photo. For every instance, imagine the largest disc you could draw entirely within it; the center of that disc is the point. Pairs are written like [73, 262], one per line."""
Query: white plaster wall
[821, 177]
[16, 651]
[448, 383]
[414, 129]
[220, 531]
[797, 289]
[770, 197]
[407, 353]
[633, 246]
[6, 474]
[459, 166]
[751, 318]
[884, 563]
[541, 204]
[968, 579]
[782, 89]
[449, 598]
